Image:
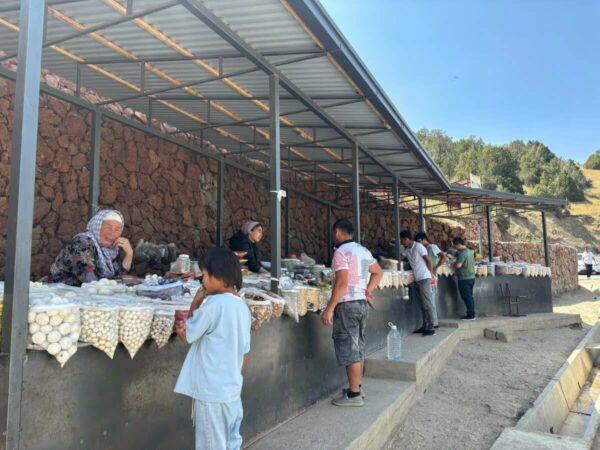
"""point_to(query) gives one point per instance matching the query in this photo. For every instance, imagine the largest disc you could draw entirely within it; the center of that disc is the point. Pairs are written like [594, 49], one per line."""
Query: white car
[596, 267]
[580, 264]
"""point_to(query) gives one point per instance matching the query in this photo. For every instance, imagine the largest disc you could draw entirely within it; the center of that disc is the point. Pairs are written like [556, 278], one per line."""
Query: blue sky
[501, 70]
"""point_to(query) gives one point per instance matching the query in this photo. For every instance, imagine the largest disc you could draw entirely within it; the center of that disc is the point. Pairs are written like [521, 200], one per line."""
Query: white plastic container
[394, 343]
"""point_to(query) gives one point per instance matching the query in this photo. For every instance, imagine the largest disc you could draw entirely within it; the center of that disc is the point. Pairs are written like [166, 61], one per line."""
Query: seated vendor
[94, 254]
[245, 240]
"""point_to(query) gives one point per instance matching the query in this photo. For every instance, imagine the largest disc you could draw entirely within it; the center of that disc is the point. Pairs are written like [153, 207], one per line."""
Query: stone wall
[563, 260]
[167, 193]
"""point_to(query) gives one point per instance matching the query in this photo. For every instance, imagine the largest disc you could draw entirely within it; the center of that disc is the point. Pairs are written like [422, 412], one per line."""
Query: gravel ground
[486, 386]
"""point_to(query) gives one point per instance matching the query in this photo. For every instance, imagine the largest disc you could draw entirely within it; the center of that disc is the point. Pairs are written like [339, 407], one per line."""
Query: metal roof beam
[207, 17]
[203, 81]
[204, 56]
[263, 97]
[255, 119]
[102, 26]
[5, 9]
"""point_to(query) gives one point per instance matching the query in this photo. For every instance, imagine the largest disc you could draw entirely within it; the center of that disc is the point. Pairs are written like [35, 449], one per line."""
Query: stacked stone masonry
[166, 192]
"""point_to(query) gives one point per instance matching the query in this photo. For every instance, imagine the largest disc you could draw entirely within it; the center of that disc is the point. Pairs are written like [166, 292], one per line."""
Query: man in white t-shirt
[357, 274]
[588, 260]
[416, 254]
[437, 258]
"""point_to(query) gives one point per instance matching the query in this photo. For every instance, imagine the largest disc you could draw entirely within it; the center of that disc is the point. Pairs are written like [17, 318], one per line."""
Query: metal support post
[329, 238]
[490, 243]
[94, 186]
[20, 210]
[480, 235]
[422, 224]
[275, 185]
[287, 224]
[356, 192]
[396, 219]
[220, 202]
[545, 236]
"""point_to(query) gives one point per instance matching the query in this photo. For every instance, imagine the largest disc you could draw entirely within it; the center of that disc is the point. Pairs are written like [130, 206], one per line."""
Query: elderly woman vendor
[245, 240]
[94, 254]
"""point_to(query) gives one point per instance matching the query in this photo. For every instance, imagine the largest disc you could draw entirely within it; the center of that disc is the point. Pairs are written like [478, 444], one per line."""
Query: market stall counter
[98, 402]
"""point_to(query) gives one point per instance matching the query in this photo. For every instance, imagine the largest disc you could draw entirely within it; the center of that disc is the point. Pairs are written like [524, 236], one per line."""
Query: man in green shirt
[465, 270]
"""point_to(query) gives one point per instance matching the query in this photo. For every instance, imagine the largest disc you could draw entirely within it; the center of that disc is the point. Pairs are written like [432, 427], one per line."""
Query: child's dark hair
[458, 240]
[345, 225]
[221, 263]
[406, 234]
[420, 236]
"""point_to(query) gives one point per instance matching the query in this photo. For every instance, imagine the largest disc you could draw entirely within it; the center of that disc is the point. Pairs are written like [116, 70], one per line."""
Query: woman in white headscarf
[245, 240]
[95, 253]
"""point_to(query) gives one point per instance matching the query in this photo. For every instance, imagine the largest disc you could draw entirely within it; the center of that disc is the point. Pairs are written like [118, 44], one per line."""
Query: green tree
[533, 157]
[593, 162]
[562, 179]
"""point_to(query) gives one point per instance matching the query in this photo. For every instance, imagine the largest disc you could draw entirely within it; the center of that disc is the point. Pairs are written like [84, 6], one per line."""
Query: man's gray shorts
[349, 323]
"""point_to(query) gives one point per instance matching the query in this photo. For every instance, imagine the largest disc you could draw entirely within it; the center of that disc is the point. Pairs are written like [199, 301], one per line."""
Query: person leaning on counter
[245, 240]
[99, 252]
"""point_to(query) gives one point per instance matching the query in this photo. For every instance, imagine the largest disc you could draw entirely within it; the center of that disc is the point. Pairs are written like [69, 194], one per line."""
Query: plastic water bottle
[394, 343]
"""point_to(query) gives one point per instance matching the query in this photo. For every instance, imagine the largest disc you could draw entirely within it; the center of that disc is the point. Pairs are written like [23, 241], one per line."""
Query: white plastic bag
[291, 303]
[134, 326]
[161, 328]
[100, 326]
[54, 325]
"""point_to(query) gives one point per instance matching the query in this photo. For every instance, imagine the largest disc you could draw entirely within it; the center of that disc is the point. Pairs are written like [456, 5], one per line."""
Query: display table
[96, 402]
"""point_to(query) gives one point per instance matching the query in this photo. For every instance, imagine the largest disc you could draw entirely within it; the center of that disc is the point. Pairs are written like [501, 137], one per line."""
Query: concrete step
[422, 358]
[324, 426]
[474, 329]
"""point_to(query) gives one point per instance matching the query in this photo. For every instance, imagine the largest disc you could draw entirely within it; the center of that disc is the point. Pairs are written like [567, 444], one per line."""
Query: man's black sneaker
[420, 330]
[467, 318]
[428, 332]
[436, 326]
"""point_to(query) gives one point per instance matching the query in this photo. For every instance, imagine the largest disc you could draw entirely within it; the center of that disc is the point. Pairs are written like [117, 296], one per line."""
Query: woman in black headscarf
[245, 240]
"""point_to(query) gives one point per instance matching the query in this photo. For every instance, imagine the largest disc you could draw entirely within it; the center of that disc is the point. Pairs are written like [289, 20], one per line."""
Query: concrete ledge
[475, 329]
[498, 334]
[512, 439]
[422, 358]
[539, 427]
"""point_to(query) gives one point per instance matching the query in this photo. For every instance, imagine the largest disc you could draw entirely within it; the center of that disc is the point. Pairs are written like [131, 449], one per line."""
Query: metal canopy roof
[202, 67]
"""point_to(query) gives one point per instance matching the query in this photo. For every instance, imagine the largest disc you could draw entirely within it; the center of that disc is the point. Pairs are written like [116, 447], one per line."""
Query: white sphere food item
[104, 291]
[46, 328]
[63, 357]
[134, 327]
[34, 328]
[53, 336]
[72, 350]
[162, 328]
[65, 343]
[112, 282]
[53, 348]
[55, 320]
[42, 318]
[71, 318]
[100, 327]
[74, 337]
[31, 317]
[38, 338]
[64, 328]
[92, 290]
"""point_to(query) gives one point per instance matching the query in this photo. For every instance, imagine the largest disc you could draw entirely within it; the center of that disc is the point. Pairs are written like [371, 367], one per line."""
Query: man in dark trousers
[465, 271]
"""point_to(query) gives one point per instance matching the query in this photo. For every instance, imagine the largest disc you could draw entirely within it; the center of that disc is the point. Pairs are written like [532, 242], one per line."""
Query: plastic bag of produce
[291, 303]
[54, 325]
[162, 326]
[181, 317]
[312, 298]
[134, 326]
[278, 304]
[302, 300]
[104, 287]
[260, 311]
[100, 326]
